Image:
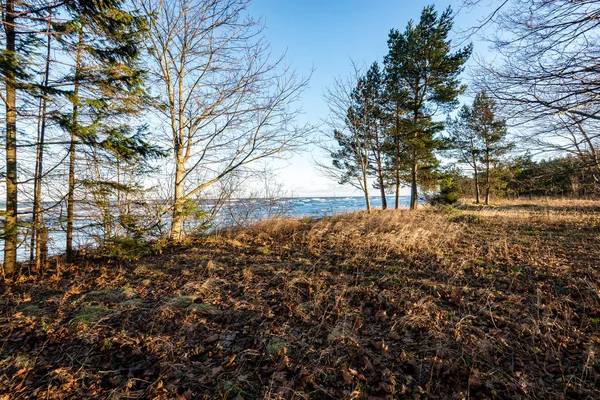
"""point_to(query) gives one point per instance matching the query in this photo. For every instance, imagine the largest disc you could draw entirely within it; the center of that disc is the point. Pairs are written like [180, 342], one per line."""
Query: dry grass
[482, 302]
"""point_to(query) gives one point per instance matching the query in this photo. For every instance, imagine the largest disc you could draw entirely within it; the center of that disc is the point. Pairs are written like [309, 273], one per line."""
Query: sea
[234, 212]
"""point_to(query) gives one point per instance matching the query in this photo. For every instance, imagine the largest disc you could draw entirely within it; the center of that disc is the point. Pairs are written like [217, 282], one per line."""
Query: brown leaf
[231, 362]
[216, 371]
[283, 364]
[381, 316]
[381, 346]
[348, 374]
[211, 339]
[186, 396]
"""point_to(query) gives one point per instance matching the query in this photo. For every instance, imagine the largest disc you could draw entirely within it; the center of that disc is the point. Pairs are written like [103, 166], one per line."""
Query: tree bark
[487, 177]
[366, 190]
[177, 217]
[476, 179]
[36, 237]
[382, 190]
[414, 198]
[72, 150]
[10, 220]
[397, 158]
[380, 177]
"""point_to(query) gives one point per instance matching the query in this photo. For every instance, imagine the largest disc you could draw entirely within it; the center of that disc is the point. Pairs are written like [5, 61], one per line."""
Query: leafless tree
[348, 141]
[222, 100]
[546, 72]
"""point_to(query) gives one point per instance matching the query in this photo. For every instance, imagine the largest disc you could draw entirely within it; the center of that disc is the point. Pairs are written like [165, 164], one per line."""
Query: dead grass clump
[272, 230]
[384, 233]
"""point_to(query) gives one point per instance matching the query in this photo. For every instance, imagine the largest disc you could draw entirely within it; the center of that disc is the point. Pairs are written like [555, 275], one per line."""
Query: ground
[480, 302]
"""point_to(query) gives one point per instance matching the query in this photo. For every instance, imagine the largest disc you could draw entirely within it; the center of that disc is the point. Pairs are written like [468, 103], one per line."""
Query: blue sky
[324, 36]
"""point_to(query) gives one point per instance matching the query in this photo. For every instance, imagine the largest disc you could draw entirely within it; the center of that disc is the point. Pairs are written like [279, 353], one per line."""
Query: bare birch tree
[222, 99]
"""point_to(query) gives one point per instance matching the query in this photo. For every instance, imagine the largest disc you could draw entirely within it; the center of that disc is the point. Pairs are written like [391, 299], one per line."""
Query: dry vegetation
[496, 302]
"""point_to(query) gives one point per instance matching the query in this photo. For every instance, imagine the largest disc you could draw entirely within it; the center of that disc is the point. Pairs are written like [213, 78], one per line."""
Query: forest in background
[134, 113]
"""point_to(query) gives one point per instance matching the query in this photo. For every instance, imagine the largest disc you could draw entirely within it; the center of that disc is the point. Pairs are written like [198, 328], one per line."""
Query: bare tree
[349, 134]
[546, 72]
[570, 134]
[224, 103]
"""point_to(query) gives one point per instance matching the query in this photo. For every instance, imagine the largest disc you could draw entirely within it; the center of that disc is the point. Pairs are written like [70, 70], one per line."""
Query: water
[323, 206]
[235, 212]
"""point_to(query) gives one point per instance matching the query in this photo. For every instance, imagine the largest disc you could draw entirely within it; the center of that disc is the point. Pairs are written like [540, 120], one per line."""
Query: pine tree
[395, 97]
[9, 71]
[369, 124]
[492, 133]
[466, 145]
[421, 64]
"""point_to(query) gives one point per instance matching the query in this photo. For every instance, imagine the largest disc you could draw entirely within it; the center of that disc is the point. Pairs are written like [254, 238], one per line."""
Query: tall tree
[422, 62]
[350, 119]
[492, 134]
[396, 95]
[466, 145]
[106, 85]
[224, 103]
[36, 241]
[9, 71]
[372, 119]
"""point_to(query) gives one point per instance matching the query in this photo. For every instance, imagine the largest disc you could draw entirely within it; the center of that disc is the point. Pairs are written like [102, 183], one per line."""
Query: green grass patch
[181, 301]
[90, 315]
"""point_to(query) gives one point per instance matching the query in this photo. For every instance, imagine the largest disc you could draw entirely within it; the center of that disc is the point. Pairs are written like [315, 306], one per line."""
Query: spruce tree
[29, 25]
[106, 87]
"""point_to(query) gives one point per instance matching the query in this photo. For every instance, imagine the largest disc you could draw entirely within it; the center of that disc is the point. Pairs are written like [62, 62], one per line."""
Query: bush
[448, 193]
[126, 248]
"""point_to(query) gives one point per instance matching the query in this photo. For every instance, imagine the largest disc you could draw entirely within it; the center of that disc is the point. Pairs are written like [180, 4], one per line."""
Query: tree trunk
[10, 220]
[382, 190]
[476, 176]
[380, 177]
[397, 195]
[71, 196]
[487, 178]
[177, 218]
[414, 198]
[366, 190]
[72, 150]
[397, 166]
[37, 239]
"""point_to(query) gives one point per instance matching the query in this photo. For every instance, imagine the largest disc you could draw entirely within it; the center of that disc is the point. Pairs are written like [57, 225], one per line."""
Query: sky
[321, 38]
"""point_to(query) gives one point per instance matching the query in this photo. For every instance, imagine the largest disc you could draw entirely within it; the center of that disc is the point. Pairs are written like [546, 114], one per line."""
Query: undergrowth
[482, 302]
